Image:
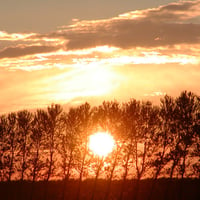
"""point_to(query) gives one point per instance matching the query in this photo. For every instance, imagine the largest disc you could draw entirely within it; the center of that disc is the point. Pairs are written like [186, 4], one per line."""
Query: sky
[73, 51]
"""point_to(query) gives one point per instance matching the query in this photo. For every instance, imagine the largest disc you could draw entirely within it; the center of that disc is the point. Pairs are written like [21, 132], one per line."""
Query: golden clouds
[141, 36]
[143, 52]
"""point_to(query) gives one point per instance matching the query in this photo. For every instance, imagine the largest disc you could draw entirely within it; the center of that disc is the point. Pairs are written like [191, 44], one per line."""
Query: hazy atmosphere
[99, 100]
[69, 52]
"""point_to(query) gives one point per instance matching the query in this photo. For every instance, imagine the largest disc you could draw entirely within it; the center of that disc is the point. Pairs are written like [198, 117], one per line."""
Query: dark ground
[186, 189]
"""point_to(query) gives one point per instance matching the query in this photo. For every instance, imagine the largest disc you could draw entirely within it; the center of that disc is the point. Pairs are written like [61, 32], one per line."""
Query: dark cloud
[151, 28]
[181, 6]
[163, 26]
[18, 51]
[133, 33]
[173, 12]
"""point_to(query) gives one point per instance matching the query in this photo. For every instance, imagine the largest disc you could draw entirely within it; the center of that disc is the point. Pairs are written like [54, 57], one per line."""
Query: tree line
[151, 142]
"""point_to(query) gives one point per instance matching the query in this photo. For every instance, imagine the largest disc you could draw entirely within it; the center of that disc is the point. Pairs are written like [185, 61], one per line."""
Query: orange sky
[141, 54]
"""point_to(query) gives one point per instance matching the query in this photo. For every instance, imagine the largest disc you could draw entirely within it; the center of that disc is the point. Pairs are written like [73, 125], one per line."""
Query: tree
[146, 130]
[130, 116]
[187, 106]
[3, 146]
[85, 116]
[195, 154]
[182, 112]
[99, 161]
[24, 120]
[163, 138]
[51, 127]
[108, 116]
[37, 144]
[69, 144]
[51, 121]
[12, 142]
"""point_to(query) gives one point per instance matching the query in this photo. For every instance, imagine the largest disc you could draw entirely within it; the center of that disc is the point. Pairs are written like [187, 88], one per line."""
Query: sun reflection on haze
[84, 81]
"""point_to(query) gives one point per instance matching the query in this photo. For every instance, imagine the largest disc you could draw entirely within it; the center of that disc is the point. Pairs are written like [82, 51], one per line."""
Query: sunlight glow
[101, 143]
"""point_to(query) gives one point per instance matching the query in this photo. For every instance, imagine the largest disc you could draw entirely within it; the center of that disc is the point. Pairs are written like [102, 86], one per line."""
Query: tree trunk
[11, 163]
[34, 174]
[50, 168]
[124, 177]
[157, 173]
[80, 176]
[66, 176]
[96, 177]
[166, 197]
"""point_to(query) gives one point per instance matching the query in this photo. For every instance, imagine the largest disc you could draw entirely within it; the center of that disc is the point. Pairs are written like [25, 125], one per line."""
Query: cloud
[139, 54]
[162, 26]
[18, 51]
[174, 12]
[130, 34]
[13, 45]
[141, 36]
[14, 36]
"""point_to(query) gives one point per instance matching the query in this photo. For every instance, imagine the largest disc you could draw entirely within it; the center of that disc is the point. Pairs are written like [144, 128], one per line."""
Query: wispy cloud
[14, 36]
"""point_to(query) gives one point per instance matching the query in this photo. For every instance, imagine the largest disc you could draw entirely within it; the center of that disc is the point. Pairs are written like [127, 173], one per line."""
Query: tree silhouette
[130, 115]
[99, 161]
[187, 105]
[51, 128]
[150, 142]
[85, 119]
[4, 147]
[195, 154]
[24, 119]
[108, 116]
[12, 119]
[162, 139]
[186, 109]
[69, 144]
[146, 129]
[37, 144]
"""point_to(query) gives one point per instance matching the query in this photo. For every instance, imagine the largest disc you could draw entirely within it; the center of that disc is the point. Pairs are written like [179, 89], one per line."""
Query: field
[187, 189]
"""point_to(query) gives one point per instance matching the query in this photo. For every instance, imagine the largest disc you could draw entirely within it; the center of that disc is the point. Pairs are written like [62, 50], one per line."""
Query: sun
[101, 143]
